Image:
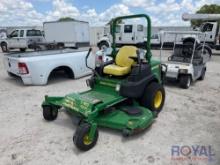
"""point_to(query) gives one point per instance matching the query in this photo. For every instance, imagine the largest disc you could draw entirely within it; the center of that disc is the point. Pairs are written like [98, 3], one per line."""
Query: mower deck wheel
[81, 137]
[50, 113]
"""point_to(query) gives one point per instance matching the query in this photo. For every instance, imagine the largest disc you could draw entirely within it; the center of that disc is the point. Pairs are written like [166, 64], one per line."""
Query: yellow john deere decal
[70, 103]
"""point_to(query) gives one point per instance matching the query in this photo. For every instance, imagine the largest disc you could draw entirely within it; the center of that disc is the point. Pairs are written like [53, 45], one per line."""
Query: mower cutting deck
[126, 94]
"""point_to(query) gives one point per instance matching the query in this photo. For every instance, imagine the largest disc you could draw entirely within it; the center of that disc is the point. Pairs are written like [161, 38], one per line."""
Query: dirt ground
[189, 118]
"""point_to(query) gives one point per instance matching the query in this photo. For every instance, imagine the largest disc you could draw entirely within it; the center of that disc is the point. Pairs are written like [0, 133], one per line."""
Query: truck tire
[4, 47]
[103, 45]
[185, 81]
[207, 51]
[22, 49]
[154, 97]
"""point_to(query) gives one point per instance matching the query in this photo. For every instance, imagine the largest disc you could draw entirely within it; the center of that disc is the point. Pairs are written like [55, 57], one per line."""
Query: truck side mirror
[87, 56]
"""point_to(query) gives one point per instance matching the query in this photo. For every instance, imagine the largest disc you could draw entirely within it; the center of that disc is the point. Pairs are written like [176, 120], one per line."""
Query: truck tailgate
[11, 65]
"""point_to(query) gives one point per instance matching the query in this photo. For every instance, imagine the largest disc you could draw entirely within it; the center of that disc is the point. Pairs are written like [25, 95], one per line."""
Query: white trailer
[96, 33]
[67, 33]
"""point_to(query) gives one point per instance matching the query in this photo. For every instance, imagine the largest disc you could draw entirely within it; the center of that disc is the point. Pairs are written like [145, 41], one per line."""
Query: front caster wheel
[81, 137]
[50, 113]
[185, 81]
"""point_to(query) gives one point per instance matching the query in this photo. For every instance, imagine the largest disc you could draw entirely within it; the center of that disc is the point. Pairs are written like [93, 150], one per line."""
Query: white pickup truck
[35, 68]
[21, 39]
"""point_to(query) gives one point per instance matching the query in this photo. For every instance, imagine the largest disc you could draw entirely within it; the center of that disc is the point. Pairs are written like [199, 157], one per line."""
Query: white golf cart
[186, 64]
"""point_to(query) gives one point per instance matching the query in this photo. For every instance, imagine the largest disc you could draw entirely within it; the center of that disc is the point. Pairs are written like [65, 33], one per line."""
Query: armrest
[107, 63]
[100, 69]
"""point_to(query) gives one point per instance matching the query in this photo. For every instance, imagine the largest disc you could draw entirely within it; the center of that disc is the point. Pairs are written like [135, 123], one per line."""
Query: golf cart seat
[123, 63]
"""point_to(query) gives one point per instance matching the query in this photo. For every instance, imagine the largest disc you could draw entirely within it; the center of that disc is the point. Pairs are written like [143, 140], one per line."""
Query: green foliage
[206, 9]
[63, 19]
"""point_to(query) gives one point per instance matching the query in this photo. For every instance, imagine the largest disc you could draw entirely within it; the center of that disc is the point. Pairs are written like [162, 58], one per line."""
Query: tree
[66, 19]
[206, 9]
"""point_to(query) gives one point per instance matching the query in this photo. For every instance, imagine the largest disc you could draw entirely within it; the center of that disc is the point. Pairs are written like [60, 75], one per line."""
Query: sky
[96, 12]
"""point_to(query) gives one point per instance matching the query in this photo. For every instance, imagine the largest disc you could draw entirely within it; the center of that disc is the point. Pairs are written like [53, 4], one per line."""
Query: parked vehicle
[127, 94]
[35, 68]
[21, 39]
[135, 34]
[210, 28]
[67, 33]
[186, 64]
[126, 34]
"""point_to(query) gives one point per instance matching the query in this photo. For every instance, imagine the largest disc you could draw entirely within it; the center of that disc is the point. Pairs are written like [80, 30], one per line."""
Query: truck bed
[35, 68]
[45, 53]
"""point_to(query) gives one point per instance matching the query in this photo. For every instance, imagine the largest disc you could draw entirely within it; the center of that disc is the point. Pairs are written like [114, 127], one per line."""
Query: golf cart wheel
[154, 97]
[22, 49]
[202, 77]
[185, 81]
[4, 47]
[50, 113]
[81, 137]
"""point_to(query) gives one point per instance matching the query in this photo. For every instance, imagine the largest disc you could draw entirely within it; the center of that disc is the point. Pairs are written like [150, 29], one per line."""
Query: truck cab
[126, 34]
[21, 39]
[211, 30]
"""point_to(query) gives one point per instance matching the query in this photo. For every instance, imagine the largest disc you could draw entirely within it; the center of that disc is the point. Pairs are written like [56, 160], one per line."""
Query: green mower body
[117, 103]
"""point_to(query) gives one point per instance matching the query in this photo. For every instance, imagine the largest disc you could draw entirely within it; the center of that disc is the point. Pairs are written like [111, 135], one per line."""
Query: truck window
[14, 33]
[128, 28]
[118, 29]
[207, 27]
[140, 28]
[22, 33]
[34, 33]
[155, 36]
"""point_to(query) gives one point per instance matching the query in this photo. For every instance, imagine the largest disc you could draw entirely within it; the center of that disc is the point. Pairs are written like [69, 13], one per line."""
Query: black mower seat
[123, 63]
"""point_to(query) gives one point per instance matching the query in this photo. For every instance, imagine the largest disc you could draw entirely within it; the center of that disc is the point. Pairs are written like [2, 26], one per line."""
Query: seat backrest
[122, 57]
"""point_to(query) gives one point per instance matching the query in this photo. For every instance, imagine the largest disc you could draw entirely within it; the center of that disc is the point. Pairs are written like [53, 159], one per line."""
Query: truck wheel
[103, 45]
[154, 97]
[22, 49]
[4, 47]
[50, 112]
[202, 77]
[207, 52]
[81, 137]
[185, 81]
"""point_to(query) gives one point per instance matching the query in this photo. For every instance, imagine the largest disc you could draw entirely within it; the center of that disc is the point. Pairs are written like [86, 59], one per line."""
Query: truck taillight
[100, 58]
[22, 67]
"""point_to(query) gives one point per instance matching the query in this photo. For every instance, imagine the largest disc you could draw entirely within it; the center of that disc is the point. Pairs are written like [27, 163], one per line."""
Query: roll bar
[114, 23]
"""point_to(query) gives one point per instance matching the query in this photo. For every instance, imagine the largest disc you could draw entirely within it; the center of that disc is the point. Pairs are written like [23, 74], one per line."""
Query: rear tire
[202, 77]
[50, 113]
[185, 81]
[4, 47]
[154, 97]
[81, 140]
[22, 49]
